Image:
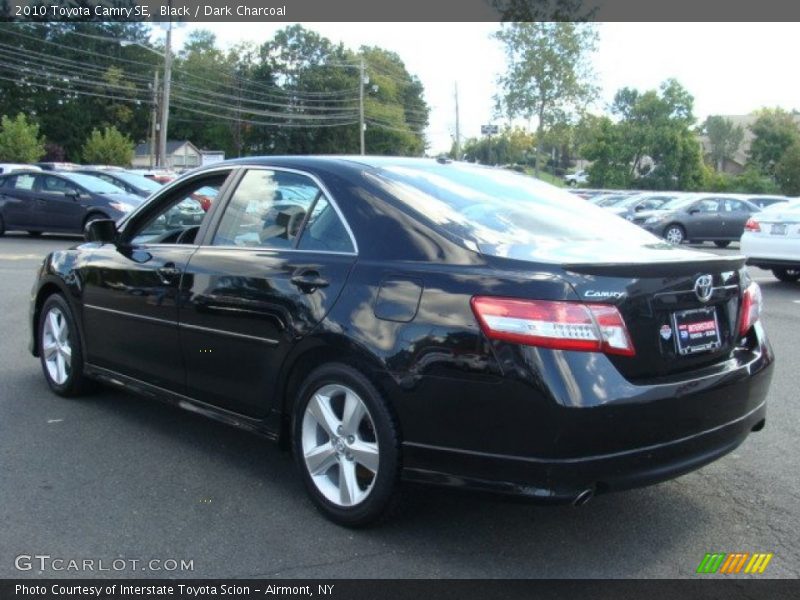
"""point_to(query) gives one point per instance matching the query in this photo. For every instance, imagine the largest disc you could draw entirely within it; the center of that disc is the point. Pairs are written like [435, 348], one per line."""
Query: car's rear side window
[269, 208]
[22, 182]
[495, 208]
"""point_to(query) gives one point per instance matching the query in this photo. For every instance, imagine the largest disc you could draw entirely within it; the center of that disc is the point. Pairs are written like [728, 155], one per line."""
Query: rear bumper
[582, 426]
[774, 263]
[563, 481]
[767, 251]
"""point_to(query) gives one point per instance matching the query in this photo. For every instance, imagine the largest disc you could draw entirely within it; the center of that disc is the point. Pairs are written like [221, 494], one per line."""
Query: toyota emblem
[703, 287]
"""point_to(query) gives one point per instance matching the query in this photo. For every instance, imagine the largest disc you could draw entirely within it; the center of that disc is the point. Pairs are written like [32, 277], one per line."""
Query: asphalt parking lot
[116, 476]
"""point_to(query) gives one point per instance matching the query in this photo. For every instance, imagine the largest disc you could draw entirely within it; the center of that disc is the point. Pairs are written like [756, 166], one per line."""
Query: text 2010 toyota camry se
[412, 319]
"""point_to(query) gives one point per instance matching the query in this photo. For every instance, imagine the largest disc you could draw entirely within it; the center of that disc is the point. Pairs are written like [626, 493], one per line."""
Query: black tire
[787, 275]
[76, 382]
[2, 226]
[383, 495]
[722, 243]
[677, 232]
[34, 233]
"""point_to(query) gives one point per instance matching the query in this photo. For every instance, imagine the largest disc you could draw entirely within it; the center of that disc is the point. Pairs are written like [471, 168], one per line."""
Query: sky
[729, 68]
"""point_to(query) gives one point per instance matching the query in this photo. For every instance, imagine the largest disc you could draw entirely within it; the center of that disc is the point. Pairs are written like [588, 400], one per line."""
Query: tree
[787, 171]
[61, 74]
[549, 72]
[775, 131]
[653, 128]
[108, 148]
[511, 146]
[724, 138]
[19, 140]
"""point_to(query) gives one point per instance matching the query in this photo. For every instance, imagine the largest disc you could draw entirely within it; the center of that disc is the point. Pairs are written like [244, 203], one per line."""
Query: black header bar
[399, 11]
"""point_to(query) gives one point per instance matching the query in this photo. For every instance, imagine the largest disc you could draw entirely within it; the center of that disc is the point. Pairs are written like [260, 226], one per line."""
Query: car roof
[343, 160]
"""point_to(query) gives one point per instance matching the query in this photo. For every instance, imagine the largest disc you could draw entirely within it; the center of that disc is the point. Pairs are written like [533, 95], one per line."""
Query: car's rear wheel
[346, 445]
[722, 243]
[60, 348]
[788, 275]
[2, 226]
[34, 233]
[675, 234]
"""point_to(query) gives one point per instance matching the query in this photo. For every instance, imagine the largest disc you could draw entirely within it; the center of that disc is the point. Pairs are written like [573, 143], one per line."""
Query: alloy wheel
[339, 445]
[56, 346]
[674, 235]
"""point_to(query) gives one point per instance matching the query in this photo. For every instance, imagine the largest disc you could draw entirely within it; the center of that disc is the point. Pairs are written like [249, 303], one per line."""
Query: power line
[244, 100]
[275, 92]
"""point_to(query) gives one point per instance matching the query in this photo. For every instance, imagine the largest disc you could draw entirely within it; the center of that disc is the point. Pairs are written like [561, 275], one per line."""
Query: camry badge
[703, 287]
[666, 331]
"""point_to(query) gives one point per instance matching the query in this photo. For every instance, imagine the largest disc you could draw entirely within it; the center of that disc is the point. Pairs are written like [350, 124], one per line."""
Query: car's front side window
[268, 210]
[178, 219]
[58, 185]
[707, 206]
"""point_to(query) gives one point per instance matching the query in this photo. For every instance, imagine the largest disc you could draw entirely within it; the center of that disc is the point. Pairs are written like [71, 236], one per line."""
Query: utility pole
[162, 141]
[458, 129]
[361, 125]
[153, 120]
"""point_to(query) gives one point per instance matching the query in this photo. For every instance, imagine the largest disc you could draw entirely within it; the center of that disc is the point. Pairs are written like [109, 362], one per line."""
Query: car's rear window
[496, 209]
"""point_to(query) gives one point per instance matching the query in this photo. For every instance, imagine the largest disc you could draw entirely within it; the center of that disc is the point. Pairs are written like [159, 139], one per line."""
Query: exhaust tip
[583, 497]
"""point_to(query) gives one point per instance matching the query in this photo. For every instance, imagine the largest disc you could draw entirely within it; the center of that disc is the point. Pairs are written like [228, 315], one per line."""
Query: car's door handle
[168, 273]
[309, 281]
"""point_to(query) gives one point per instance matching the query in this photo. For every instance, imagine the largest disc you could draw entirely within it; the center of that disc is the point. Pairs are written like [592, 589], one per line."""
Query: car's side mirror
[74, 196]
[694, 211]
[638, 208]
[103, 231]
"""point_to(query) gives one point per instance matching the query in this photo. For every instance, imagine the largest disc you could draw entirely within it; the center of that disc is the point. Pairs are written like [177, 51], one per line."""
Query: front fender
[58, 274]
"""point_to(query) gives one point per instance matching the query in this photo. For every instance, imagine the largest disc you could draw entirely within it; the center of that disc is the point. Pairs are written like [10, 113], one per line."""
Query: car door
[267, 273]
[131, 291]
[60, 203]
[704, 221]
[19, 200]
[734, 215]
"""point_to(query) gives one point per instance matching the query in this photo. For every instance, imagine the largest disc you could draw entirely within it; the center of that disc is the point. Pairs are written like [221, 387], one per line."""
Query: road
[115, 476]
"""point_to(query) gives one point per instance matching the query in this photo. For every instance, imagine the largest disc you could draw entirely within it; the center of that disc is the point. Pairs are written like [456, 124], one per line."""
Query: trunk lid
[656, 299]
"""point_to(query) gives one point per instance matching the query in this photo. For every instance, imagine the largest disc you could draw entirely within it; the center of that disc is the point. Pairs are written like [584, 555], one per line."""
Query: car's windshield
[92, 183]
[611, 200]
[634, 200]
[677, 203]
[139, 181]
[497, 209]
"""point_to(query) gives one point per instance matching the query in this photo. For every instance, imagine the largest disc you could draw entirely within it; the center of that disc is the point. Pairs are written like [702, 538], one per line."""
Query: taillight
[751, 307]
[551, 324]
[752, 225]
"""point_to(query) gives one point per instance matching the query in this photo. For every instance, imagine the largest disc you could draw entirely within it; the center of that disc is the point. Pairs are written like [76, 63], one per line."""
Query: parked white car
[771, 240]
[12, 167]
[579, 177]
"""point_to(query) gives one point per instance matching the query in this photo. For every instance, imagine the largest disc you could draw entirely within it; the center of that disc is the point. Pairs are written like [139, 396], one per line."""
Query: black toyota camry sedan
[398, 319]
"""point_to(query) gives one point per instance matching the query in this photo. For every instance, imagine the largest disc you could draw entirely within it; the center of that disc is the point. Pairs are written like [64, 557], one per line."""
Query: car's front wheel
[675, 234]
[789, 275]
[346, 445]
[60, 348]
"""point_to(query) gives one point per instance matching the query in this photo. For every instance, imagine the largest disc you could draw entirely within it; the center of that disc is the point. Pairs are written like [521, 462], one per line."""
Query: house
[180, 155]
[737, 162]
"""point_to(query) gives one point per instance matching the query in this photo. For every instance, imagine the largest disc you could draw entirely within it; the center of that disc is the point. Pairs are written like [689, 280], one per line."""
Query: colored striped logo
[736, 562]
